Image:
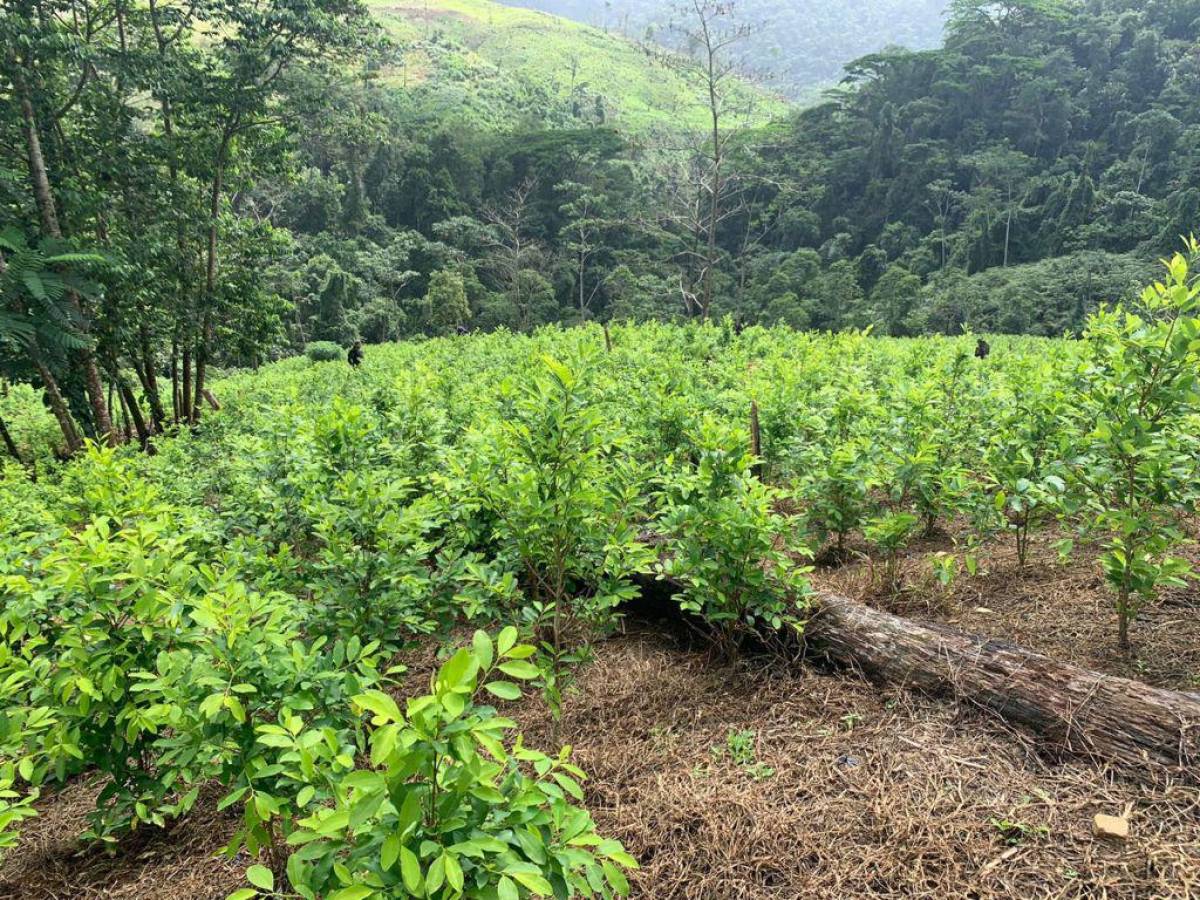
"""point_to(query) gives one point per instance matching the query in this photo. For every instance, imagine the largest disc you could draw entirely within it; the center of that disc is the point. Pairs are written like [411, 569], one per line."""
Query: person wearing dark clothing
[355, 356]
[462, 329]
[982, 350]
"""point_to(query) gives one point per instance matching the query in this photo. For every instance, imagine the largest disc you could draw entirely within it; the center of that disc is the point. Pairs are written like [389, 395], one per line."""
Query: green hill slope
[800, 45]
[492, 66]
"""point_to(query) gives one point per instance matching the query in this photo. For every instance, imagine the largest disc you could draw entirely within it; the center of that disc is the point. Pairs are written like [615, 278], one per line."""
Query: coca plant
[562, 494]
[451, 804]
[724, 544]
[1137, 469]
[1024, 460]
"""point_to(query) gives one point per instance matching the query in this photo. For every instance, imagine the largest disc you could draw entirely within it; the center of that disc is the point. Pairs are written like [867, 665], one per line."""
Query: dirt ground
[1061, 609]
[751, 782]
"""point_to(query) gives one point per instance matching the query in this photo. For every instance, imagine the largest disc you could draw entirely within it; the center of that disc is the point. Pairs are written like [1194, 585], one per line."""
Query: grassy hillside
[800, 46]
[492, 66]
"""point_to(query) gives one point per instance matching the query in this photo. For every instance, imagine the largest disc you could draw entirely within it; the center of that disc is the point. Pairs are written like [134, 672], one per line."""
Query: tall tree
[709, 32]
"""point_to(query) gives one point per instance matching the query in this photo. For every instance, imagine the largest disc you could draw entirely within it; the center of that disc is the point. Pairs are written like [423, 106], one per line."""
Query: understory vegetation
[229, 609]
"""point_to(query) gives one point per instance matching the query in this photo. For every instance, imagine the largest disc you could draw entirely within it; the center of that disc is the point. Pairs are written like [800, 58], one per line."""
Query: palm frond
[35, 284]
[16, 327]
[12, 240]
[49, 336]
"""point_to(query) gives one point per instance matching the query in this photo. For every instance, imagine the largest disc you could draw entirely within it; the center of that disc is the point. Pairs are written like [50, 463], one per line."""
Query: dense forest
[796, 46]
[1035, 166]
[174, 200]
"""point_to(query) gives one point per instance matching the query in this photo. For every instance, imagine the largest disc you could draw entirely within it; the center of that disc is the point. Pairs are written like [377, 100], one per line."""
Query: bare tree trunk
[185, 390]
[157, 413]
[50, 226]
[175, 379]
[714, 108]
[202, 348]
[126, 426]
[203, 344]
[58, 406]
[1007, 233]
[756, 441]
[135, 412]
[9, 444]
[149, 378]
[714, 215]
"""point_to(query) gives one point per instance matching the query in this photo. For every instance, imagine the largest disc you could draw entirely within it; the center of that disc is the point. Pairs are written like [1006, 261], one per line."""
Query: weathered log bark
[1127, 723]
[1136, 728]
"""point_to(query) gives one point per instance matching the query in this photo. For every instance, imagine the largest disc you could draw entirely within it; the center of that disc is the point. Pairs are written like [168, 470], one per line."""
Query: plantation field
[327, 628]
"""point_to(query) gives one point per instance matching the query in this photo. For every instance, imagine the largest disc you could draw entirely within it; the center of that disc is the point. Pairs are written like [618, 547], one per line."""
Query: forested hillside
[796, 46]
[1034, 167]
[1042, 131]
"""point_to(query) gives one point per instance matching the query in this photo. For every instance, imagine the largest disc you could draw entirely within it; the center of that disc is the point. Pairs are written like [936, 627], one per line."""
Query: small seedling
[739, 748]
[662, 737]
[1016, 833]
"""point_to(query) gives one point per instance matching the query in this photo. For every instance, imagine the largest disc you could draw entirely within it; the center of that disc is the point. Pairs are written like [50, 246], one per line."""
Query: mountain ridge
[798, 46]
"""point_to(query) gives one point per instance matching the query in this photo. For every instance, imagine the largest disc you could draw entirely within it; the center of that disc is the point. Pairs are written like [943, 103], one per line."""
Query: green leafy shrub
[1137, 472]
[723, 544]
[890, 533]
[837, 494]
[324, 351]
[562, 499]
[445, 808]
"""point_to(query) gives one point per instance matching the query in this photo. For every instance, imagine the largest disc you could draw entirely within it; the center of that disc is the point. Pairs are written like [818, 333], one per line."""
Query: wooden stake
[756, 441]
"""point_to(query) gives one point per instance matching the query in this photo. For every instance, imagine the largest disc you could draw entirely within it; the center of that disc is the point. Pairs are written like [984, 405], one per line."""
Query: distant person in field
[983, 349]
[462, 329]
[355, 356]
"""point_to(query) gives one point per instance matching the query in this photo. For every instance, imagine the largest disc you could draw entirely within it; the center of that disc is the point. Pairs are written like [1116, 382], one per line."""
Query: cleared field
[248, 639]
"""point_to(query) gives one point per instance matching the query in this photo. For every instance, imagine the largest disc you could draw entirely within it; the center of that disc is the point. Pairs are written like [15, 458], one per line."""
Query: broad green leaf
[410, 872]
[505, 690]
[261, 877]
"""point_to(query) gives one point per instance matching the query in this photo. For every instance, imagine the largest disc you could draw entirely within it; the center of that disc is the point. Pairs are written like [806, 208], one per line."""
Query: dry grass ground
[845, 791]
[1063, 610]
[179, 863]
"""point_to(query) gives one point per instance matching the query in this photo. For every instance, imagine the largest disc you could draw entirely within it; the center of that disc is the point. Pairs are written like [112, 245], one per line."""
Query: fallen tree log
[1116, 720]
[1127, 724]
